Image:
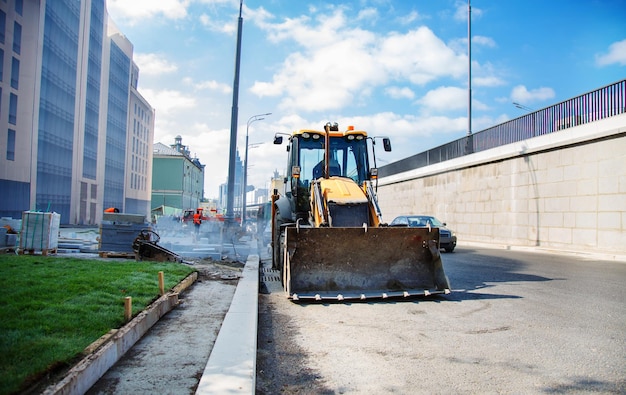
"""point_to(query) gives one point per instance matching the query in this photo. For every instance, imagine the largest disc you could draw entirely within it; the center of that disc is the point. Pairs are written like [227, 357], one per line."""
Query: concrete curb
[110, 349]
[232, 364]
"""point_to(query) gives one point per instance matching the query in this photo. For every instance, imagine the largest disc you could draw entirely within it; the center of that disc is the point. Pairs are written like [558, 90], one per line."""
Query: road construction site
[516, 322]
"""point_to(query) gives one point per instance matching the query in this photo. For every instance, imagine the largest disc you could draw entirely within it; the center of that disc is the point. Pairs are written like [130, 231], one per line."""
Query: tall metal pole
[253, 118]
[469, 142]
[229, 219]
[469, 67]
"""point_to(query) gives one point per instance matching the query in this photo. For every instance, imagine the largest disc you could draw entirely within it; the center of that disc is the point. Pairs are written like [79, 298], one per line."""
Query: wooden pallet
[113, 254]
[32, 251]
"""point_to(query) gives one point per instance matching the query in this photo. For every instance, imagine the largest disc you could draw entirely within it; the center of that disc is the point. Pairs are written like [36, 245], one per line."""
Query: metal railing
[592, 106]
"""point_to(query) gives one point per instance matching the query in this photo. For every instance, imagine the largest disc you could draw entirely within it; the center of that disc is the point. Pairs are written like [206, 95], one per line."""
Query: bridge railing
[589, 107]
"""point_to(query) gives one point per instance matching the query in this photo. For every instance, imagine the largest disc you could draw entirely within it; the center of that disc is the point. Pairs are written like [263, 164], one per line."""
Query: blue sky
[393, 68]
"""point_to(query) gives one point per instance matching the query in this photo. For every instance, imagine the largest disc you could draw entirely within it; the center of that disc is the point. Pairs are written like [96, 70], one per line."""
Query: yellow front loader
[328, 238]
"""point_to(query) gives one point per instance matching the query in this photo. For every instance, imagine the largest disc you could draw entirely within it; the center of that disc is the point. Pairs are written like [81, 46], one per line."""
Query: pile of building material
[118, 231]
[9, 232]
[39, 232]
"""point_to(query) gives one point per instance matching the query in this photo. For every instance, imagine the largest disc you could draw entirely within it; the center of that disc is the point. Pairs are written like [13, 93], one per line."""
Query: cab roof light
[333, 127]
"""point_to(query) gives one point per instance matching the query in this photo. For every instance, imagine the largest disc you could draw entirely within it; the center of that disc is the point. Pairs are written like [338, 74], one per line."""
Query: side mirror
[387, 144]
[278, 140]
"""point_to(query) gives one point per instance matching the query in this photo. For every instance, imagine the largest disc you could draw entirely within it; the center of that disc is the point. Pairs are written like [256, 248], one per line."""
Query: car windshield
[424, 220]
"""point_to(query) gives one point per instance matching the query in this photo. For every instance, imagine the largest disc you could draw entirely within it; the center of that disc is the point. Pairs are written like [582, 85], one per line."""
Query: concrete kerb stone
[109, 349]
[232, 364]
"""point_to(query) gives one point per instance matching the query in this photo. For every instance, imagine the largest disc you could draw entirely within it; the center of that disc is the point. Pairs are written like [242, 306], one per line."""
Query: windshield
[348, 158]
[424, 220]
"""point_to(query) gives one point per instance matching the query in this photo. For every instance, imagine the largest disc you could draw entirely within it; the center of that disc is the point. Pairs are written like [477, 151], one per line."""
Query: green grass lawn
[52, 308]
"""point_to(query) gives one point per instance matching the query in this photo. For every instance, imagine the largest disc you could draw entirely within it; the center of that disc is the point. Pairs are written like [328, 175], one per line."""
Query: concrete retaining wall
[565, 191]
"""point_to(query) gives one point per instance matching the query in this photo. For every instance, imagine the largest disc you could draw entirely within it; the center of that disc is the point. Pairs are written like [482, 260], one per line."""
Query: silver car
[447, 238]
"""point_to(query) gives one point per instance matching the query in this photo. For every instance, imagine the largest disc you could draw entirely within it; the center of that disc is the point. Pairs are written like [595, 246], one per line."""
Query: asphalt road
[516, 323]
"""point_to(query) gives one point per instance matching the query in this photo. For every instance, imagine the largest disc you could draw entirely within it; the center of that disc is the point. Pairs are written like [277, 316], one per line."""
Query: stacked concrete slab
[118, 231]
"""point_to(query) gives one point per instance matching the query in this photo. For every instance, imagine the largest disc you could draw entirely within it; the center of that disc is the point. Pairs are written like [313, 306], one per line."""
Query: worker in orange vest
[197, 220]
[112, 210]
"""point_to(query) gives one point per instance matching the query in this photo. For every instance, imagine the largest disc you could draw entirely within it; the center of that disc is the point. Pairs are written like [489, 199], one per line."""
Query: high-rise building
[75, 135]
[223, 192]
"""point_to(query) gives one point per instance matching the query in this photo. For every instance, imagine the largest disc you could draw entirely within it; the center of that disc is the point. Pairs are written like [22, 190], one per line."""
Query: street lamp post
[253, 118]
[533, 114]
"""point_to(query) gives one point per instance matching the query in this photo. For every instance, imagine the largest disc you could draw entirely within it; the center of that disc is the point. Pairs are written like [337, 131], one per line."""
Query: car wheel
[449, 249]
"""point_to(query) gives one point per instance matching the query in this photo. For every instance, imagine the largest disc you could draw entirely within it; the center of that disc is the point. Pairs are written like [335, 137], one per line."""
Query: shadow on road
[471, 270]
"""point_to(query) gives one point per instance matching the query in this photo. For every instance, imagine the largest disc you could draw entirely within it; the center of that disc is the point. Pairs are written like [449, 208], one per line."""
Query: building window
[15, 73]
[17, 38]
[13, 109]
[19, 6]
[3, 25]
[1, 63]
[11, 145]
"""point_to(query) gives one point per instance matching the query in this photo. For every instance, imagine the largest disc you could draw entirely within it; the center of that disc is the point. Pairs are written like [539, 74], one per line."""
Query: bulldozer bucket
[361, 263]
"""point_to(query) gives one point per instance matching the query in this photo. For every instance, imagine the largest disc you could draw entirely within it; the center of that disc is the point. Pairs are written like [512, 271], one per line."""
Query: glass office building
[75, 135]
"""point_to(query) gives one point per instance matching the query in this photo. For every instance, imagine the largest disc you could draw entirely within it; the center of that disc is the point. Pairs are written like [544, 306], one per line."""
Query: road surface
[516, 322]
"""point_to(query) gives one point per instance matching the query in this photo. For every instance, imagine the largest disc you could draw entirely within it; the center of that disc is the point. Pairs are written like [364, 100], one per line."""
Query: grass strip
[52, 308]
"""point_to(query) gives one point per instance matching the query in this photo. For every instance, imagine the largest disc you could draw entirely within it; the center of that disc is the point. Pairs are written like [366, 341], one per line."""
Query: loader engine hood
[345, 202]
[340, 190]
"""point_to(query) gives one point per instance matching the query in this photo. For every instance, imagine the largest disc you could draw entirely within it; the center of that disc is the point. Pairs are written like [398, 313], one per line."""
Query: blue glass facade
[56, 107]
[92, 110]
[119, 87]
[67, 83]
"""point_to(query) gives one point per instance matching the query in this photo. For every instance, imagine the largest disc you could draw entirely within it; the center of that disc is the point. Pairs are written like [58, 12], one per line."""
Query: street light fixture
[523, 107]
[253, 118]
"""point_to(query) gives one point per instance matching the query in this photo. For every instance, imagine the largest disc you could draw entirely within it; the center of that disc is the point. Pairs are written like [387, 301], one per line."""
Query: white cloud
[419, 56]
[521, 94]
[409, 18]
[167, 102]
[399, 93]
[211, 85]
[461, 11]
[368, 14]
[229, 27]
[444, 99]
[615, 55]
[337, 63]
[153, 64]
[484, 41]
[139, 10]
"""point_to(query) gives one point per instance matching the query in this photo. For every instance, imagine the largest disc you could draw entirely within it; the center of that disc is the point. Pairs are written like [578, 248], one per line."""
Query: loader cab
[348, 153]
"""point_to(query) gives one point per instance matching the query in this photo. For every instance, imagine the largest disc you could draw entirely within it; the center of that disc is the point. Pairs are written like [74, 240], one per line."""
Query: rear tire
[277, 261]
[278, 250]
[449, 249]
